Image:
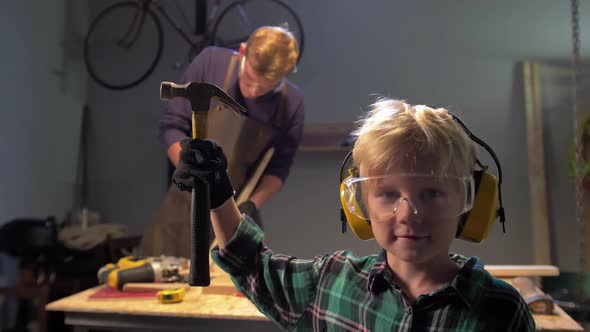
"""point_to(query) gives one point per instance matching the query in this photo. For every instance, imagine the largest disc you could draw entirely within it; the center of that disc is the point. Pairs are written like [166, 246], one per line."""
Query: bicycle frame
[155, 4]
[201, 30]
[203, 22]
[135, 26]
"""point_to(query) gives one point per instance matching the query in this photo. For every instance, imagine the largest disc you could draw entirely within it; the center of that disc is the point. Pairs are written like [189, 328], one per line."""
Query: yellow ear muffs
[360, 227]
[476, 224]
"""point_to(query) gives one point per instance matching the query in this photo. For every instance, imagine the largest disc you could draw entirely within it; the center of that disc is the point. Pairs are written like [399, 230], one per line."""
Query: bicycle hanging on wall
[125, 41]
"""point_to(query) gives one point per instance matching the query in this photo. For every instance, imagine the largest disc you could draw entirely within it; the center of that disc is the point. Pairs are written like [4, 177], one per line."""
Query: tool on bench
[173, 295]
[132, 269]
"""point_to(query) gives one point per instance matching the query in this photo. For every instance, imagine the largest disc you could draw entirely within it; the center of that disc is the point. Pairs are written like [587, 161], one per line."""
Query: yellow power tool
[135, 269]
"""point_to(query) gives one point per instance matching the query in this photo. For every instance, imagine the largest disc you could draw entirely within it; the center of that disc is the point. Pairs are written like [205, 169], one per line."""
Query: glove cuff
[224, 190]
[215, 208]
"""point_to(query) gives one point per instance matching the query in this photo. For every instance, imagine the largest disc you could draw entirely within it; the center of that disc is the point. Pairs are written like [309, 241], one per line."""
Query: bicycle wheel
[123, 45]
[238, 20]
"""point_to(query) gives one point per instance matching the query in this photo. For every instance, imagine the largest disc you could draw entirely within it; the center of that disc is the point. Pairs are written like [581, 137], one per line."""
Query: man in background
[256, 78]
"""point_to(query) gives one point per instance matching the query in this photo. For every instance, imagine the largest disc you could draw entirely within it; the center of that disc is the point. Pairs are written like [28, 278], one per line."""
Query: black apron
[246, 142]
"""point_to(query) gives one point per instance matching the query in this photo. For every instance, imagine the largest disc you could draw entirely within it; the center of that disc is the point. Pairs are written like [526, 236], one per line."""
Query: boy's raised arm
[280, 286]
[225, 221]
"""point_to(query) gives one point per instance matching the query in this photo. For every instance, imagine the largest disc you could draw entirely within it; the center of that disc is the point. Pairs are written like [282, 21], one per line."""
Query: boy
[415, 179]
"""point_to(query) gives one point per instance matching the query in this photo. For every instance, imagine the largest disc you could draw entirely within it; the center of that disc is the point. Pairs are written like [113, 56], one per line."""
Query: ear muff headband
[474, 226]
[500, 209]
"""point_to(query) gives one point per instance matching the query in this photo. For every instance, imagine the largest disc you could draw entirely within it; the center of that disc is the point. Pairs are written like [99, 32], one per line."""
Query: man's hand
[250, 209]
[204, 159]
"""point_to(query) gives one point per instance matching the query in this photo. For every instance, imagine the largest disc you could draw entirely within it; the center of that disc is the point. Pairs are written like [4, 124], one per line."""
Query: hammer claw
[199, 94]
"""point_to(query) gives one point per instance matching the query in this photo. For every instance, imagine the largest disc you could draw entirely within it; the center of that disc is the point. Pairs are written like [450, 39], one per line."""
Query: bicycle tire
[92, 67]
[298, 31]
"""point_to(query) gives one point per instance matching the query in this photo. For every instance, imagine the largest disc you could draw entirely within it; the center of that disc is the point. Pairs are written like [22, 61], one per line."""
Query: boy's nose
[405, 211]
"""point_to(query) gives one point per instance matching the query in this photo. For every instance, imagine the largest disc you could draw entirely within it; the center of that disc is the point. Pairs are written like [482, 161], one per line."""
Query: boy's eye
[432, 194]
[389, 195]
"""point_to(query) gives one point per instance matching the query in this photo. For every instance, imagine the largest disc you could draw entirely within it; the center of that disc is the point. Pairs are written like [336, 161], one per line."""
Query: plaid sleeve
[523, 319]
[507, 309]
[280, 286]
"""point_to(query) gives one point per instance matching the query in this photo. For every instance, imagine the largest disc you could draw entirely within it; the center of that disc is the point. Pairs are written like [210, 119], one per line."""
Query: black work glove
[204, 159]
[249, 208]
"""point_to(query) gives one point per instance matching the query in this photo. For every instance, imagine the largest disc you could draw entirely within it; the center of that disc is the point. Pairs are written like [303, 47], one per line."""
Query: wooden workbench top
[198, 305]
[195, 305]
[207, 305]
[559, 321]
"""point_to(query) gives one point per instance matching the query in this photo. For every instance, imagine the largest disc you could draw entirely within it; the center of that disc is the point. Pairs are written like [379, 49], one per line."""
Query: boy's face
[413, 217]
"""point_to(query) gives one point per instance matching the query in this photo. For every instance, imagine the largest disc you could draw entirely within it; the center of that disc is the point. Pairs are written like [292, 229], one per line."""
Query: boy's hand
[203, 159]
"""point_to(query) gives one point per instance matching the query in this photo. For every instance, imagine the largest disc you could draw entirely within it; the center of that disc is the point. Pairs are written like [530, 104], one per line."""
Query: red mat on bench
[109, 293]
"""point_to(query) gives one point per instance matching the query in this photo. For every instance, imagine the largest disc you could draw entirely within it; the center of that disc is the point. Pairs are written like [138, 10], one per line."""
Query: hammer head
[199, 94]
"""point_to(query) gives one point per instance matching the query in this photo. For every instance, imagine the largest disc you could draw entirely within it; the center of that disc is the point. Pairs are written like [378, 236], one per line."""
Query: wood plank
[509, 271]
[585, 213]
[536, 164]
[537, 300]
[252, 182]
[559, 320]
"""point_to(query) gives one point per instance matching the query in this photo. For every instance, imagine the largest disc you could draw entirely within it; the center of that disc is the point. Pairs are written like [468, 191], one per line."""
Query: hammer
[199, 95]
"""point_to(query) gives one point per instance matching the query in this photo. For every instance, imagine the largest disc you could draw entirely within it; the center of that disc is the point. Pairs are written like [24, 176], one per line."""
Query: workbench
[209, 312]
[198, 312]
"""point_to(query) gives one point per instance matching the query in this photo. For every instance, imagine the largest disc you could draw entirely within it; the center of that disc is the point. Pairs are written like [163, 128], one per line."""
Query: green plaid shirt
[339, 292]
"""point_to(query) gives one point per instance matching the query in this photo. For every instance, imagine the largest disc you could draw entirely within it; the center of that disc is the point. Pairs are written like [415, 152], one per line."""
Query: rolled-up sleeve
[280, 286]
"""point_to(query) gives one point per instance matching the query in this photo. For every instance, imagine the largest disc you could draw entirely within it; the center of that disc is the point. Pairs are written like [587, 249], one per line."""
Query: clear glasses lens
[380, 198]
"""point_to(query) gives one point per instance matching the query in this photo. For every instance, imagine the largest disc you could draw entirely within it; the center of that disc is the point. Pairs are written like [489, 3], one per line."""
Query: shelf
[326, 137]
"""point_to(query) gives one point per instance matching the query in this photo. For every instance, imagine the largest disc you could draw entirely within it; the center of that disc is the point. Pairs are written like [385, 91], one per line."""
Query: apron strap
[278, 118]
[230, 73]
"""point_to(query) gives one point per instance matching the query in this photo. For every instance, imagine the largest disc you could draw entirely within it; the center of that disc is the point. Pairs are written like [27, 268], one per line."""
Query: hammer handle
[200, 228]
[200, 217]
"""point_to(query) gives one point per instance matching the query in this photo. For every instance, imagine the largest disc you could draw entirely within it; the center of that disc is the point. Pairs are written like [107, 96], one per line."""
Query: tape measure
[173, 295]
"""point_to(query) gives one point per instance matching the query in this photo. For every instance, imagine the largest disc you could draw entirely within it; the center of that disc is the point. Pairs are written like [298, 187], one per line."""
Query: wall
[42, 94]
[458, 54]
[41, 97]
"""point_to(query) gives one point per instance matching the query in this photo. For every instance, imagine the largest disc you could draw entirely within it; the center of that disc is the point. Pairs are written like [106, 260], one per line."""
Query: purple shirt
[211, 66]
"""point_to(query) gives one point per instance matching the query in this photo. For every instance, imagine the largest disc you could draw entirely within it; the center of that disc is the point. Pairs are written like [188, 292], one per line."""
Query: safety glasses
[379, 198]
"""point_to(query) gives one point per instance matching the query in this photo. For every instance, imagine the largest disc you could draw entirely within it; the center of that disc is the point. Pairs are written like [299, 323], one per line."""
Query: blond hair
[394, 132]
[274, 51]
